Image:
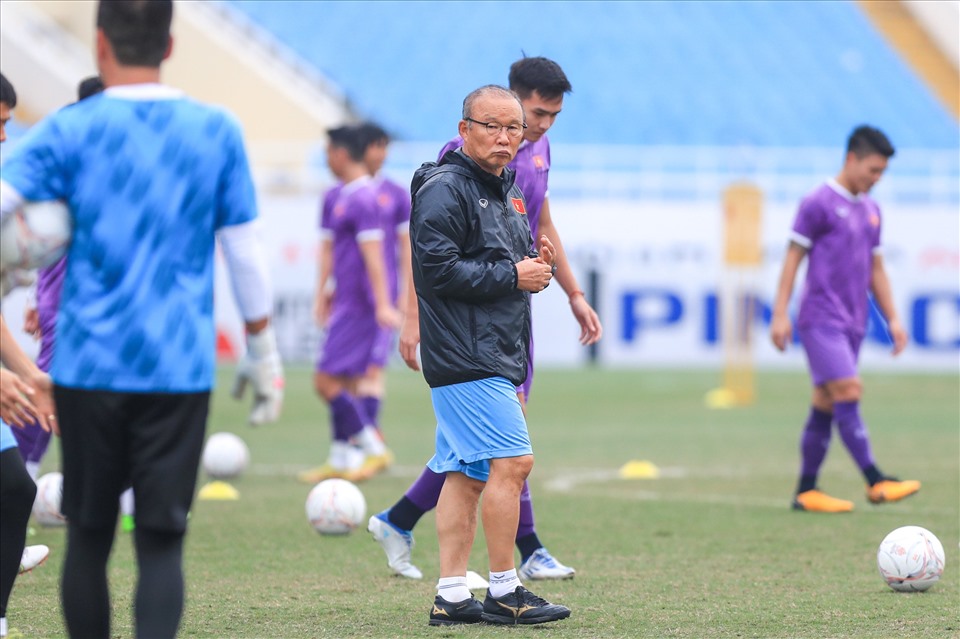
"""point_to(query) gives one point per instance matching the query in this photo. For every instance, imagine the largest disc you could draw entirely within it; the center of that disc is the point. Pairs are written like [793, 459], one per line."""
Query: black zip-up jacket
[467, 232]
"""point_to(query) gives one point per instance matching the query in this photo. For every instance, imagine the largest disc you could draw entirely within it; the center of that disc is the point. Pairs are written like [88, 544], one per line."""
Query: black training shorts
[110, 440]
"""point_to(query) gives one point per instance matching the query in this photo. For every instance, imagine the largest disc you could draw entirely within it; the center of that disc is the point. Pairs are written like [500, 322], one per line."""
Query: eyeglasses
[494, 128]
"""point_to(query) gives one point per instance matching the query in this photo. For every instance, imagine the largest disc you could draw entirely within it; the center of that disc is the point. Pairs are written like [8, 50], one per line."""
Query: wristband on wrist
[575, 293]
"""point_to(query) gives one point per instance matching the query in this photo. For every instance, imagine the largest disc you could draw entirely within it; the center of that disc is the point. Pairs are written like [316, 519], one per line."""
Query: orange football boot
[891, 489]
[820, 502]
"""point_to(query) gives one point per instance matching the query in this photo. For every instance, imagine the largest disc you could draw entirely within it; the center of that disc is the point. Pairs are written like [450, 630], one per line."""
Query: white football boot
[542, 565]
[396, 544]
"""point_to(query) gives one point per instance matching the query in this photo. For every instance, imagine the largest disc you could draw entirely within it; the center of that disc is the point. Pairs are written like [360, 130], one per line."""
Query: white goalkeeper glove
[261, 368]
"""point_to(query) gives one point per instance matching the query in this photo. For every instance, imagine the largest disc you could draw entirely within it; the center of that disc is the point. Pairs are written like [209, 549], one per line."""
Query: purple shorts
[354, 341]
[831, 352]
[382, 347]
[32, 442]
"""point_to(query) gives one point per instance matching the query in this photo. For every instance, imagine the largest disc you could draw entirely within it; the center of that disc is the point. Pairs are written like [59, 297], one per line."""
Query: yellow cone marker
[638, 469]
[218, 491]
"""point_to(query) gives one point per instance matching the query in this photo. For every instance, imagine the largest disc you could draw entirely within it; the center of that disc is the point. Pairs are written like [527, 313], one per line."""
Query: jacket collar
[501, 184]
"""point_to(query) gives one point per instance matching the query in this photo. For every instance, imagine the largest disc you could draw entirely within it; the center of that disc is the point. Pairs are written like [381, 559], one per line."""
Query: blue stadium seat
[770, 74]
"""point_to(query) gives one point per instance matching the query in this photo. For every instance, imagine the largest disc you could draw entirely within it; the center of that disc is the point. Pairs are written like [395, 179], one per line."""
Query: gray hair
[488, 90]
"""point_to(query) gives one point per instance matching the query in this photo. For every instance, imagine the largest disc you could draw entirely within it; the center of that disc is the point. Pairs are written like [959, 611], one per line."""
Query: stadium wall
[659, 265]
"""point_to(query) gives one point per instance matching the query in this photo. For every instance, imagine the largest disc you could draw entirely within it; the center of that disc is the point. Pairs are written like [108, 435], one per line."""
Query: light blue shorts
[476, 422]
[7, 441]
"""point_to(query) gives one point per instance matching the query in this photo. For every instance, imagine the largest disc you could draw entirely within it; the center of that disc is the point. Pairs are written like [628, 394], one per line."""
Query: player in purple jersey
[541, 85]
[393, 202]
[351, 255]
[838, 229]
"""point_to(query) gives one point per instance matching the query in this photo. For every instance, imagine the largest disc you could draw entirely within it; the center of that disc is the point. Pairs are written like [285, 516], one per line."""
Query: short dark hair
[348, 137]
[372, 133]
[7, 94]
[138, 30]
[867, 140]
[89, 86]
[541, 75]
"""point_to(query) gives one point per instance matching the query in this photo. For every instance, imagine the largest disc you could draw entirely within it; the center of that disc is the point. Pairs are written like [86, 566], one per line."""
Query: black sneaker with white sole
[521, 607]
[445, 613]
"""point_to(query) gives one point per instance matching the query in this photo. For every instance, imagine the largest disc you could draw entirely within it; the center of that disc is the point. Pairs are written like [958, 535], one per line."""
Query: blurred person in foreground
[474, 268]
[25, 398]
[541, 85]
[39, 321]
[152, 179]
[837, 228]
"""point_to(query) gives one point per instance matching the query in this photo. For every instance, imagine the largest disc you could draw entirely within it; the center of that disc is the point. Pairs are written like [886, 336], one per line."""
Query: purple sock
[345, 417]
[525, 526]
[853, 432]
[425, 491]
[371, 409]
[814, 442]
[421, 497]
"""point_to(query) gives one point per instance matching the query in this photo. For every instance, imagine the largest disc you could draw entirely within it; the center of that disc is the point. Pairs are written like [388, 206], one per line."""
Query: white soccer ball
[46, 506]
[225, 456]
[910, 558]
[335, 507]
[35, 235]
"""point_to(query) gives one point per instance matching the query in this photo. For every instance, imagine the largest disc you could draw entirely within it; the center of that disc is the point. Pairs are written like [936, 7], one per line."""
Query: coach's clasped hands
[262, 369]
[534, 274]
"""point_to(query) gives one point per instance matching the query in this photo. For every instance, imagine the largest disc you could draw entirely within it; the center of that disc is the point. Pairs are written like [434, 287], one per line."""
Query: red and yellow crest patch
[518, 205]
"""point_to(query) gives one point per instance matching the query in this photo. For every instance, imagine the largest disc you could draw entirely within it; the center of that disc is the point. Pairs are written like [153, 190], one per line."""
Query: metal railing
[606, 172]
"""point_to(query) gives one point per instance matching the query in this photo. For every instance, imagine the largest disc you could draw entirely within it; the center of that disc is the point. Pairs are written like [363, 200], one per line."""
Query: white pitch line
[571, 482]
[576, 482]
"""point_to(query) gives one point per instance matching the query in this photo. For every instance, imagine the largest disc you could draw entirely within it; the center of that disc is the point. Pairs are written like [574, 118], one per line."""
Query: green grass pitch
[710, 549]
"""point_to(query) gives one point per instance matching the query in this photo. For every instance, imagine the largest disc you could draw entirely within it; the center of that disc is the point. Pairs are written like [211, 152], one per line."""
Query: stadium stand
[769, 74]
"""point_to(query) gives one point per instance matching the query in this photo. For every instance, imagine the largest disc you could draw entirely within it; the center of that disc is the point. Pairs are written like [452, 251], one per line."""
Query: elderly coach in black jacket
[474, 269]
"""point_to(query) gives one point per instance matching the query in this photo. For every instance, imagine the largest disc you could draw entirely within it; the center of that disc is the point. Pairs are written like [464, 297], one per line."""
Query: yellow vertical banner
[742, 257]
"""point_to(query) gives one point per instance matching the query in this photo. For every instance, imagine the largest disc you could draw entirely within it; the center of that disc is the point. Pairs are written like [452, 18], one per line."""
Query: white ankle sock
[126, 502]
[453, 589]
[341, 455]
[502, 583]
[369, 440]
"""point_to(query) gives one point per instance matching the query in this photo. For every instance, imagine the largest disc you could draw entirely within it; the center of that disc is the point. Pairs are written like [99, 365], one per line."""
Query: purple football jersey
[532, 165]
[353, 217]
[49, 285]
[393, 202]
[841, 232]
